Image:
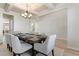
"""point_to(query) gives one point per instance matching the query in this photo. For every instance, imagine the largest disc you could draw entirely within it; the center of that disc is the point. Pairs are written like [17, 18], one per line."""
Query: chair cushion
[25, 47]
[40, 47]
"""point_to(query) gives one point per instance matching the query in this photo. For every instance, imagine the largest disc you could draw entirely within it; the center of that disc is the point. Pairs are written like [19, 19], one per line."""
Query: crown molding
[54, 10]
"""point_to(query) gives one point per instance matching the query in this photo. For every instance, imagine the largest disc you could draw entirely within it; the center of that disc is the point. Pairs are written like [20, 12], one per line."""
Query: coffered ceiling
[36, 8]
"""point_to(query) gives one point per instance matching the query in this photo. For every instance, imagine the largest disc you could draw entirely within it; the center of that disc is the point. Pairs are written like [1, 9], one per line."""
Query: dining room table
[32, 39]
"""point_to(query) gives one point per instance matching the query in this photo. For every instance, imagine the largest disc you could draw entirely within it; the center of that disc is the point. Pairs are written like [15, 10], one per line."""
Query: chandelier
[26, 14]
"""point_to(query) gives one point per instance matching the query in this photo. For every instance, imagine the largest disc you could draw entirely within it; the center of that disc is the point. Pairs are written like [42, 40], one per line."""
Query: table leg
[32, 49]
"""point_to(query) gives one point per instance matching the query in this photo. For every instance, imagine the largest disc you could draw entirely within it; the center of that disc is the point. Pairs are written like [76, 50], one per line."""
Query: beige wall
[55, 22]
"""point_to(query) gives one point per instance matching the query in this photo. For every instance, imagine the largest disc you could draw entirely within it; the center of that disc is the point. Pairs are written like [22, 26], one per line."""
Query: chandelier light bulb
[25, 13]
[30, 15]
[22, 15]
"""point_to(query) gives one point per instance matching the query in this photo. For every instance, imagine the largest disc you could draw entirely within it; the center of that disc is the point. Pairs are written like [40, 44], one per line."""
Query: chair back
[7, 38]
[50, 43]
[16, 45]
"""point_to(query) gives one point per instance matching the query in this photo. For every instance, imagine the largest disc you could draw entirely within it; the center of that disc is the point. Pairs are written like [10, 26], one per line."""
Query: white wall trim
[49, 12]
[72, 48]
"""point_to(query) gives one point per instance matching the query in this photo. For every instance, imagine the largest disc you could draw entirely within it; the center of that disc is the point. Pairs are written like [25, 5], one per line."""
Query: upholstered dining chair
[17, 47]
[6, 38]
[8, 41]
[46, 47]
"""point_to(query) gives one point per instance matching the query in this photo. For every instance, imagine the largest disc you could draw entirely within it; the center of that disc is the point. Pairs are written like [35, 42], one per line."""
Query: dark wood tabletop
[32, 38]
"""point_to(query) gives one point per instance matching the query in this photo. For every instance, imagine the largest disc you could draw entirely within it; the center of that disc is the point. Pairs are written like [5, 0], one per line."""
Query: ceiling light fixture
[26, 14]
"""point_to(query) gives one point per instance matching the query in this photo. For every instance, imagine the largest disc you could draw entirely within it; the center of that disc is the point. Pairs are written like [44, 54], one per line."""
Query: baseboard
[75, 49]
[61, 38]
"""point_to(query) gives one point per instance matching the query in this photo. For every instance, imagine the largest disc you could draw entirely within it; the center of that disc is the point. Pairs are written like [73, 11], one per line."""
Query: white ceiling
[36, 8]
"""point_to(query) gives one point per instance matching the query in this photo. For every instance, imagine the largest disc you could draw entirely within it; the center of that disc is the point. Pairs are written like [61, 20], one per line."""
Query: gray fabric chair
[46, 47]
[8, 41]
[17, 47]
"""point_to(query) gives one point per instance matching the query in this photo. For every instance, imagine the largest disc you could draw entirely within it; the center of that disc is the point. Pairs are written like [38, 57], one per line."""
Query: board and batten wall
[73, 27]
[53, 23]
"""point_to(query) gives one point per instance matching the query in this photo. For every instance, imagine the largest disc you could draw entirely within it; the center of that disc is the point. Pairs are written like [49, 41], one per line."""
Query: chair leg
[19, 54]
[7, 45]
[10, 49]
[53, 52]
[14, 54]
[35, 52]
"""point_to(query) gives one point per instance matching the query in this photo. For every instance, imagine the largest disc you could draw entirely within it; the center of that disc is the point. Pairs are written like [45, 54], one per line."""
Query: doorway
[8, 24]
